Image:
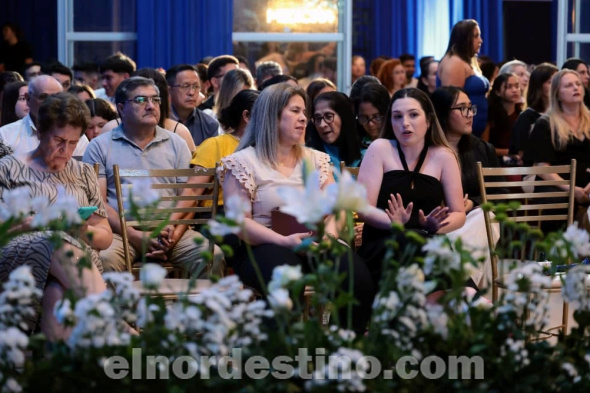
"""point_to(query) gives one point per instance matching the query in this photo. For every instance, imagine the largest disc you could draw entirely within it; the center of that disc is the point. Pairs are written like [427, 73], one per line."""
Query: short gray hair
[508, 68]
[130, 84]
[267, 69]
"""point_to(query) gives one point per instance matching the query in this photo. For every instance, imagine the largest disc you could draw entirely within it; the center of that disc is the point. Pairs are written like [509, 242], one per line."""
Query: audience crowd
[415, 139]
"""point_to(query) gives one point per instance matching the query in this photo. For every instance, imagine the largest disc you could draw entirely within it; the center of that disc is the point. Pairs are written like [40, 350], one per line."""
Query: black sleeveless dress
[425, 191]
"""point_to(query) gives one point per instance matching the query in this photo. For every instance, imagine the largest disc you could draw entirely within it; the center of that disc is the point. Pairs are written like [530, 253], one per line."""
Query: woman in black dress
[564, 133]
[409, 172]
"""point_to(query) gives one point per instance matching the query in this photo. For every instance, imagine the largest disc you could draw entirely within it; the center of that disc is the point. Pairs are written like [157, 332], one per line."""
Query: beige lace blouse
[261, 180]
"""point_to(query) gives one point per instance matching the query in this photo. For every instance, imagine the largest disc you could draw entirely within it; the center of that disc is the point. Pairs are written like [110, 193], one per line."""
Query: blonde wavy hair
[561, 131]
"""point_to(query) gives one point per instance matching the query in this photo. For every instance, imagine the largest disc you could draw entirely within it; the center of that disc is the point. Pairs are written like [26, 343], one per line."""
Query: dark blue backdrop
[393, 27]
[182, 31]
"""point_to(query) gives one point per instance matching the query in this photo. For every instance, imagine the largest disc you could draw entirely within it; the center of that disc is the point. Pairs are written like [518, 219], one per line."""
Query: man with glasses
[139, 143]
[218, 67]
[22, 134]
[185, 86]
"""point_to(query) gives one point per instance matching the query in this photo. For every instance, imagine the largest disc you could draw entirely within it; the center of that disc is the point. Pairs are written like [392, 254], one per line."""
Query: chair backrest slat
[528, 195]
[353, 170]
[559, 204]
[184, 172]
[526, 170]
[204, 213]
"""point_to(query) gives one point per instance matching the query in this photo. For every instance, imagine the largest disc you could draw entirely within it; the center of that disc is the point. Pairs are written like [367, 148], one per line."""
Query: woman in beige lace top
[271, 155]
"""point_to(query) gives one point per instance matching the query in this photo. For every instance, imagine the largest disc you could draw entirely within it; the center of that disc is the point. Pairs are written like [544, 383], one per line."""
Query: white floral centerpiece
[225, 340]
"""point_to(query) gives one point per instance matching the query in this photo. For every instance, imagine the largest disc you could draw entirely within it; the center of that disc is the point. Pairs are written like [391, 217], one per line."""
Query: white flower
[574, 289]
[342, 369]
[64, 209]
[283, 275]
[279, 299]
[221, 229]
[140, 192]
[348, 194]
[440, 257]
[308, 205]
[438, 319]
[12, 345]
[578, 239]
[570, 369]
[235, 208]
[12, 386]
[63, 311]
[152, 275]
[16, 203]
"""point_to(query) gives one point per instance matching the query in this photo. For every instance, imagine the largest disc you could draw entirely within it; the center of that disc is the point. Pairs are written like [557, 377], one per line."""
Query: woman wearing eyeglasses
[333, 129]
[370, 111]
[455, 113]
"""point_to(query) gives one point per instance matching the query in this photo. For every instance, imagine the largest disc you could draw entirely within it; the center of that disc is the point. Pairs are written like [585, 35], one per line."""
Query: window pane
[280, 16]
[583, 54]
[98, 51]
[104, 15]
[303, 60]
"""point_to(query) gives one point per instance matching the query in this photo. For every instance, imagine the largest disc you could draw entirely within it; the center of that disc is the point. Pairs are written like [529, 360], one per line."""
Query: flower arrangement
[224, 338]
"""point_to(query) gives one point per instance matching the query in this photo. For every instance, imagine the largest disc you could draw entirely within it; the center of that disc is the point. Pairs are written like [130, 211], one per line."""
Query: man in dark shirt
[218, 67]
[185, 85]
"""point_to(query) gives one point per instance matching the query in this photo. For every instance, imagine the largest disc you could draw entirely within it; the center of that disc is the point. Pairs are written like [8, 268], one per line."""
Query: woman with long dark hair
[455, 114]
[14, 103]
[459, 67]
[333, 129]
[504, 107]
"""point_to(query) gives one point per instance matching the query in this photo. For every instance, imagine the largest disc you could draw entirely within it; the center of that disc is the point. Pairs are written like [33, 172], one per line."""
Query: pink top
[261, 180]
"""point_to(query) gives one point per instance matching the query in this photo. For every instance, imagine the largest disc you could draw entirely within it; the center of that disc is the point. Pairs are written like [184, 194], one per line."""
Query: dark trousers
[269, 256]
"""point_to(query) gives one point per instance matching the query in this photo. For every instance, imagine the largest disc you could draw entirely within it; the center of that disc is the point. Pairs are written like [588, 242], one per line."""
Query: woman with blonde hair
[233, 82]
[564, 133]
[269, 156]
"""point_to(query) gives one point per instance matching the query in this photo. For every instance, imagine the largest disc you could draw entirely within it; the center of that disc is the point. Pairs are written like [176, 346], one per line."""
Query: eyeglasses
[466, 109]
[143, 100]
[328, 118]
[188, 87]
[364, 120]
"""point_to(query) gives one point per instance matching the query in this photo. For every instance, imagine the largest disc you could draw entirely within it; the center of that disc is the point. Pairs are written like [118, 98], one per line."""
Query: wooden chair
[354, 171]
[202, 213]
[536, 208]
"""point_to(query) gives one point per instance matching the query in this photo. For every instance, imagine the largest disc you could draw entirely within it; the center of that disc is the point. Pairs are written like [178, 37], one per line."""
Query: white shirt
[22, 137]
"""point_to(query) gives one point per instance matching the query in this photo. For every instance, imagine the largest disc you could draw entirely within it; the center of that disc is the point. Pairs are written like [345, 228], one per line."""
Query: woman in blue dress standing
[459, 68]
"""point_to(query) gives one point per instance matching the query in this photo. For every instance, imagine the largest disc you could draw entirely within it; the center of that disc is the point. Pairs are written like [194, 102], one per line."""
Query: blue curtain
[182, 31]
[394, 28]
[400, 26]
[489, 15]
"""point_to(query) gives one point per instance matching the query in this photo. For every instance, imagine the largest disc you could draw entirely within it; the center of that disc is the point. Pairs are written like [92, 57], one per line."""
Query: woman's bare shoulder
[443, 154]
